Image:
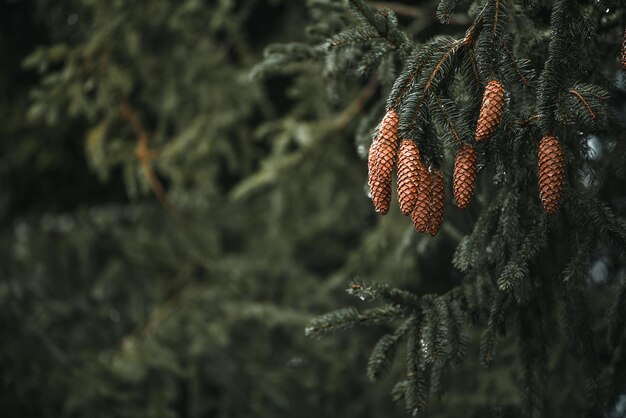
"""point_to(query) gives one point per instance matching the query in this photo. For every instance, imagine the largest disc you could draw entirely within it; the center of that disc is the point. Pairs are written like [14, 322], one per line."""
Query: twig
[143, 153]
[399, 8]
[353, 109]
[584, 102]
[415, 12]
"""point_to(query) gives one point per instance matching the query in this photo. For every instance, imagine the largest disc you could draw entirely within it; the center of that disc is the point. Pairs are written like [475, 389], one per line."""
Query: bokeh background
[168, 224]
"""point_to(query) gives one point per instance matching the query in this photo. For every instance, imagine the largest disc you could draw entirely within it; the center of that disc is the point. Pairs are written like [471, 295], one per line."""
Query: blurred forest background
[114, 303]
[169, 224]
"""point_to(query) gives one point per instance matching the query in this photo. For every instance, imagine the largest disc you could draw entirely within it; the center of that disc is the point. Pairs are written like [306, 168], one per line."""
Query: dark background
[169, 225]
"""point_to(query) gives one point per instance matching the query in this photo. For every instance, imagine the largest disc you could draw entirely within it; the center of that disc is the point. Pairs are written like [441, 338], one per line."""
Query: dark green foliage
[177, 206]
[520, 266]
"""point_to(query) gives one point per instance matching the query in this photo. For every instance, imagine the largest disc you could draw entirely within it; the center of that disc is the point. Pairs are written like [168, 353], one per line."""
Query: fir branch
[355, 106]
[445, 58]
[495, 325]
[469, 252]
[556, 67]
[518, 70]
[435, 73]
[598, 215]
[515, 273]
[346, 318]
[496, 18]
[577, 269]
[380, 21]
[584, 102]
[381, 359]
[445, 9]
[399, 8]
[371, 291]
[358, 35]
[413, 68]
[415, 391]
[446, 118]
[143, 153]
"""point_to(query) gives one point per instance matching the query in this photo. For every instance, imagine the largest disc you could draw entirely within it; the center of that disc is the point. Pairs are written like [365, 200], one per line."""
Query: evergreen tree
[176, 210]
[526, 103]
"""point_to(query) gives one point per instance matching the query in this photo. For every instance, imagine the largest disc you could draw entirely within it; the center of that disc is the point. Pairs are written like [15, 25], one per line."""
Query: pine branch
[584, 102]
[143, 153]
[378, 21]
[346, 318]
[381, 359]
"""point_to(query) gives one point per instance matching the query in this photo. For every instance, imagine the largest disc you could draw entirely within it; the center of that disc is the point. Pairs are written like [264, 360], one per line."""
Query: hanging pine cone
[421, 212]
[381, 162]
[551, 173]
[491, 110]
[437, 201]
[464, 175]
[408, 175]
[624, 52]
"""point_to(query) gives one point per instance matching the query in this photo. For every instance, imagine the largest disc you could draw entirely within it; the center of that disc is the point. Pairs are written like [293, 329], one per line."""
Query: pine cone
[464, 175]
[437, 201]
[421, 212]
[381, 162]
[371, 159]
[624, 52]
[491, 110]
[408, 175]
[551, 172]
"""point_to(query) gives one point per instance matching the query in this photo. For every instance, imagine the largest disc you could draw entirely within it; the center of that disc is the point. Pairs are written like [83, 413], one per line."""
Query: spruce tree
[526, 102]
[178, 210]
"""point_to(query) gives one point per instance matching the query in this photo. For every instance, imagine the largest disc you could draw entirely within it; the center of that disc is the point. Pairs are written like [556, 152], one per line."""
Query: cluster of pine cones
[421, 188]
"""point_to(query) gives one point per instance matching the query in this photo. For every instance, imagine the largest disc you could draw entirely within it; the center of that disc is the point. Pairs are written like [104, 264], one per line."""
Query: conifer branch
[355, 106]
[584, 102]
[519, 72]
[394, 36]
[451, 50]
[496, 17]
[399, 8]
[448, 120]
[143, 153]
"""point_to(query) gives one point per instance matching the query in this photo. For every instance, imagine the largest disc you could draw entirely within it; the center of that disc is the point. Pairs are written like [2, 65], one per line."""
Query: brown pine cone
[371, 159]
[624, 52]
[551, 173]
[381, 162]
[464, 175]
[437, 201]
[408, 176]
[491, 110]
[421, 212]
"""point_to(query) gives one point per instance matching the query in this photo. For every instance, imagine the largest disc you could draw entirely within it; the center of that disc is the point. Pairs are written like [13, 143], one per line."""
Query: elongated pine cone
[464, 175]
[491, 110]
[551, 173]
[382, 160]
[421, 212]
[408, 175]
[624, 52]
[437, 201]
